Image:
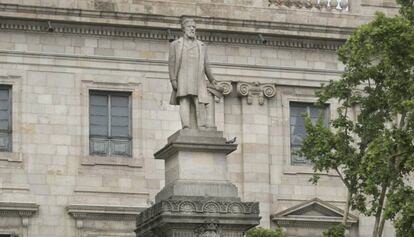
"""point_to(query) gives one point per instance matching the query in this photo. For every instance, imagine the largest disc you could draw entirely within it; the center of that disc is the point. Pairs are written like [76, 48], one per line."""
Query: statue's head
[188, 25]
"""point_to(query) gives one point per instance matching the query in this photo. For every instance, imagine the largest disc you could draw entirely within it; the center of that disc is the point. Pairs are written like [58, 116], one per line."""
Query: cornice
[120, 213]
[160, 27]
[18, 209]
[99, 58]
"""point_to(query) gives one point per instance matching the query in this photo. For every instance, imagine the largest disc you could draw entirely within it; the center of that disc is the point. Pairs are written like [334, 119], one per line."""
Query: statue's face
[190, 29]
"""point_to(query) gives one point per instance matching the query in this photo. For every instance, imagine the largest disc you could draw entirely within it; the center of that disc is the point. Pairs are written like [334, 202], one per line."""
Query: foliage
[401, 210]
[407, 9]
[262, 232]
[335, 231]
[370, 143]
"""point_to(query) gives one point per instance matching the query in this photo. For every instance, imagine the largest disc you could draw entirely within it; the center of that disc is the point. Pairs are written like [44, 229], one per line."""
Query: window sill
[305, 170]
[112, 161]
[11, 156]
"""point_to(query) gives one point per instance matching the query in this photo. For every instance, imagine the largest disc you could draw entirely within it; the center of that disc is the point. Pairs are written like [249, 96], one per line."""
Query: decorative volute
[256, 90]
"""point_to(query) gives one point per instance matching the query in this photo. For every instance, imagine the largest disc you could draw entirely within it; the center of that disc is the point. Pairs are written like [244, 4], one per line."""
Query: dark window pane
[315, 112]
[297, 110]
[297, 127]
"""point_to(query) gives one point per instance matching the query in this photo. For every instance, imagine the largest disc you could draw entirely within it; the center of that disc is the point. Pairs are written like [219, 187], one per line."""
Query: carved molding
[200, 207]
[115, 213]
[210, 228]
[314, 212]
[140, 27]
[24, 210]
[256, 90]
[227, 87]
[322, 5]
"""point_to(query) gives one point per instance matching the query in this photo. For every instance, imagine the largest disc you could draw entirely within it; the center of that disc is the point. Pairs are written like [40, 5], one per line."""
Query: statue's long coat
[174, 64]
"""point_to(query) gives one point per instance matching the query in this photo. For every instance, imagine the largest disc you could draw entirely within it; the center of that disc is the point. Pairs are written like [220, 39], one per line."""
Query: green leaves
[335, 231]
[402, 202]
[262, 232]
[371, 142]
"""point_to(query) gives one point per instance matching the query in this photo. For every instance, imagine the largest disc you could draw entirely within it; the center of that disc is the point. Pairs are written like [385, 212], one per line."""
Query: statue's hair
[185, 21]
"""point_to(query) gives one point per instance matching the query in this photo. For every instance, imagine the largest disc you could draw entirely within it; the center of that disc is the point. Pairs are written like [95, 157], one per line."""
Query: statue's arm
[171, 66]
[207, 69]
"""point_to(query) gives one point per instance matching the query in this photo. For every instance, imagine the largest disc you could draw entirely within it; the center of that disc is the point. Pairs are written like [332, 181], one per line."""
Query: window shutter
[120, 116]
[4, 109]
[110, 124]
[99, 115]
[5, 119]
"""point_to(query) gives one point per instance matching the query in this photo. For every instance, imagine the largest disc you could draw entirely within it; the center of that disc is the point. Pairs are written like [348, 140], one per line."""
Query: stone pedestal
[198, 199]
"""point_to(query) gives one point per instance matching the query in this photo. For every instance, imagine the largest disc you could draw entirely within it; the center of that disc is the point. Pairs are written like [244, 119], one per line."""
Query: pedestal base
[198, 200]
[196, 165]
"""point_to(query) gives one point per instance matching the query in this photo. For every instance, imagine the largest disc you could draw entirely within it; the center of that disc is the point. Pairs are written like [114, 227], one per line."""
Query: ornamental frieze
[200, 207]
[256, 90]
[210, 228]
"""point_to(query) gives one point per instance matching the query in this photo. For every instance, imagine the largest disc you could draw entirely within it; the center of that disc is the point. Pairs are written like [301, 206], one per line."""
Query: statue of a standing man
[188, 69]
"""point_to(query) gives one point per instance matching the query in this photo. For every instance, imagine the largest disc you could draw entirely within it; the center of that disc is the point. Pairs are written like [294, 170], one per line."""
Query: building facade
[84, 104]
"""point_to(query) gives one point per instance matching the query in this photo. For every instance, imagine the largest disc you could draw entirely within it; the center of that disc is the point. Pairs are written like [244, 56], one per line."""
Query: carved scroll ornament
[256, 89]
[210, 228]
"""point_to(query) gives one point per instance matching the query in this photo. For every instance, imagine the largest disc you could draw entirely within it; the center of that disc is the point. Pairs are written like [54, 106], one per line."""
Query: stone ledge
[193, 190]
[132, 162]
[11, 156]
[84, 211]
[197, 141]
[105, 190]
[18, 209]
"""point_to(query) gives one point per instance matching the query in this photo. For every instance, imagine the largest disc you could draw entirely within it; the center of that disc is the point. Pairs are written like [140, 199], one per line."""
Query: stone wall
[52, 68]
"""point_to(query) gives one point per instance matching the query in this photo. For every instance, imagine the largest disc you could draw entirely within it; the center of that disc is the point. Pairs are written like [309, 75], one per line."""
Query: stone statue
[188, 69]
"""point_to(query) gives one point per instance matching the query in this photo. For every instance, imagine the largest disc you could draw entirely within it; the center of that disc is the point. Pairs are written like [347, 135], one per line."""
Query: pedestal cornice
[193, 140]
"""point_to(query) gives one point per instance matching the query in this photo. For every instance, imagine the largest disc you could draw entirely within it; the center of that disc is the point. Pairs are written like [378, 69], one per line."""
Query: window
[5, 119]
[110, 123]
[297, 127]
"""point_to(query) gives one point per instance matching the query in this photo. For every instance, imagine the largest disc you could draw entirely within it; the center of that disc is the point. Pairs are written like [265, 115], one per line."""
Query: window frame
[109, 138]
[9, 130]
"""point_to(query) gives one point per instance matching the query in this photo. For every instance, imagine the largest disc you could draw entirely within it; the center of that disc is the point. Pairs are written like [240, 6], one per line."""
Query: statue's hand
[217, 86]
[174, 84]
